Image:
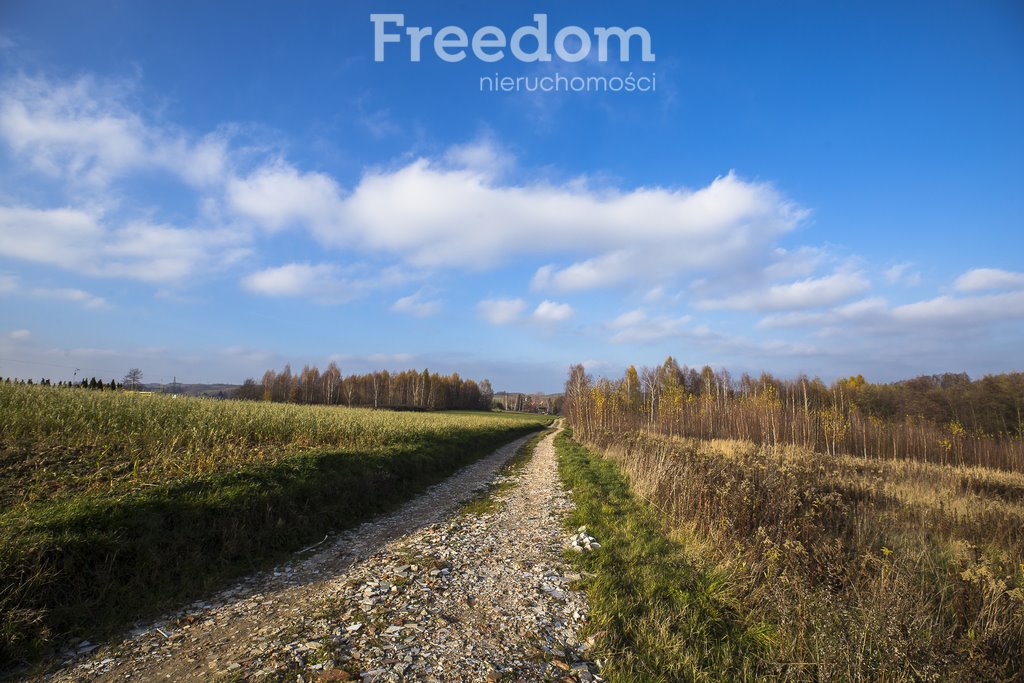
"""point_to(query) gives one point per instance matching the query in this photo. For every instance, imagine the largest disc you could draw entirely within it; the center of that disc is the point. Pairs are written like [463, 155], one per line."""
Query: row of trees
[943, 418]
[91, 383]
[408, 390]
[132, 380]
[527, 403]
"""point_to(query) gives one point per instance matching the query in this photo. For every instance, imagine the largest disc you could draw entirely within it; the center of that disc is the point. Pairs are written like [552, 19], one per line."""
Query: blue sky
[206, 190]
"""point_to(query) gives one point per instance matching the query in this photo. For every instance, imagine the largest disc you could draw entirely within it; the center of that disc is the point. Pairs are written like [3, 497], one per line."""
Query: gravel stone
[427, 593]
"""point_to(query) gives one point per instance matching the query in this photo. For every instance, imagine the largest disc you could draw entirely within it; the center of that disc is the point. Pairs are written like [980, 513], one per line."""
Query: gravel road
[431, 592]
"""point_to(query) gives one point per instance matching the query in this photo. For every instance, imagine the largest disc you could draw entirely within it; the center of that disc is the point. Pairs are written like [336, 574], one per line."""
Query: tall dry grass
[869, 569]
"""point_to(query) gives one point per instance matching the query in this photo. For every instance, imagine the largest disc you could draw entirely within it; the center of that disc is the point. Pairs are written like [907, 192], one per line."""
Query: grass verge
[655, 614]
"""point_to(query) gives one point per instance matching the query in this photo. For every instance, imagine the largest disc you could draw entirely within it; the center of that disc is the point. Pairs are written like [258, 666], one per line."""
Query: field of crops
[114, 504]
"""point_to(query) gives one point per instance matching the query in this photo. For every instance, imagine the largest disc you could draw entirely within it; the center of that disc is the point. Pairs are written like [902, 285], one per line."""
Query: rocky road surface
[432, 592]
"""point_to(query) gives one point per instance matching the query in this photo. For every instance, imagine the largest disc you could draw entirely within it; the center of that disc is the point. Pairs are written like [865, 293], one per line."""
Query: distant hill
[208, 390]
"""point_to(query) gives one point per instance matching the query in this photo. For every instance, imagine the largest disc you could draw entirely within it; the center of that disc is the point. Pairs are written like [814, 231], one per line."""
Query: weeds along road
[435, 591]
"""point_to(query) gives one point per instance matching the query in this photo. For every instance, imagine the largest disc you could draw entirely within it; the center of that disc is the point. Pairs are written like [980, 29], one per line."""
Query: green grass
[656, 615]
[115, 507]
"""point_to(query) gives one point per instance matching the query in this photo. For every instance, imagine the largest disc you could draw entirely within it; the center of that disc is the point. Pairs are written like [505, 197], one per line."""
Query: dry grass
[658, 613]
[869, 569]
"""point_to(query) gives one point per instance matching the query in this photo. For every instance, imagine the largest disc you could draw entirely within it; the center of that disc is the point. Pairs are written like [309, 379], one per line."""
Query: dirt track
[426, 593]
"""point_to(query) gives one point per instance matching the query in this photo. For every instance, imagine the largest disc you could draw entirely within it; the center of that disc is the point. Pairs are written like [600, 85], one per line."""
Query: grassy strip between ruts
[655, 615]
[89, 565]
[486, 500]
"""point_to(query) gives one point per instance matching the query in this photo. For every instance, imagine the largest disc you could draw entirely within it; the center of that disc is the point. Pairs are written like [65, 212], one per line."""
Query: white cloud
[654, 294]
[949, 313]
[635, 327]
[74, 295]
[980, 279]
[501, 311]
[900, 274]
[84, 130]
[603, 271]
[278, 196]
[788, 264]
[808, 293]
[63, 237]
[462, 217]
[10, 284]
[19, 335]
[77, 240]
[551, 312]
[628, 319]
[483, 156]
[871, 308]
[324, 283]
[456, 210]
[417, 304]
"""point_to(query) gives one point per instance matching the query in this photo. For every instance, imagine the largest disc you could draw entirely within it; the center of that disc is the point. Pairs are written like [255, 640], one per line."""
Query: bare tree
[133, 379]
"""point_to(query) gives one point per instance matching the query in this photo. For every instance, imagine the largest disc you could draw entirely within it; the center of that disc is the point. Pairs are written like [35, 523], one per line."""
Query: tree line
[946, 418]
[527, 403]
[91, 383]
[406, 390]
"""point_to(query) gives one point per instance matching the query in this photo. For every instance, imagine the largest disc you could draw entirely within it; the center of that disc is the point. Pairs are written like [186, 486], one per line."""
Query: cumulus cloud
[80, 241]
[501, 311]
[278, 196]
[19, 335]
[551, 312]
[458, 209]
[980, 279]
[803, 294]
[460, 216]
[417, 304]
[84, 130]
